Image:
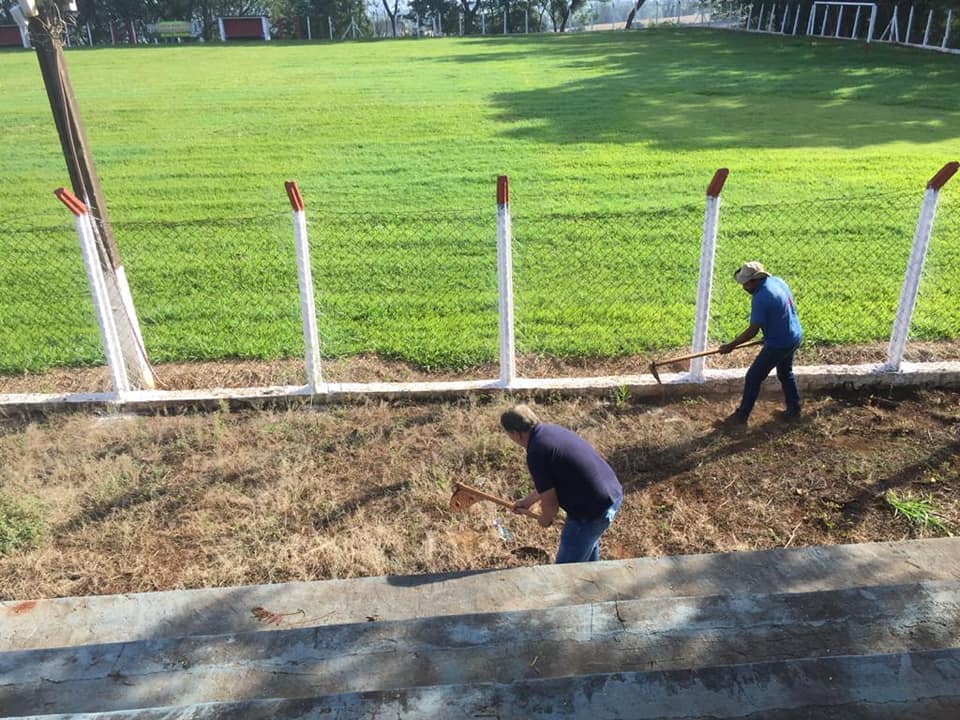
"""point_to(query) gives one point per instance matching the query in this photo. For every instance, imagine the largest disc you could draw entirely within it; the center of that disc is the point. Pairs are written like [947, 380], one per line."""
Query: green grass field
[609, 140]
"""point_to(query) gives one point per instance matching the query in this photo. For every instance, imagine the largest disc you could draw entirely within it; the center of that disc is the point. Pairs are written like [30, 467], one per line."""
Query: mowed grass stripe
[585, 125]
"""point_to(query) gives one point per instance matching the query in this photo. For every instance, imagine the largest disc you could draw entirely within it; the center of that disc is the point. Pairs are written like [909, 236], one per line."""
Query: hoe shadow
[699, 89]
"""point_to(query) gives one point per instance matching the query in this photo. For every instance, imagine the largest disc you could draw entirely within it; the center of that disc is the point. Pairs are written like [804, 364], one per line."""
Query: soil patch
[131, 504]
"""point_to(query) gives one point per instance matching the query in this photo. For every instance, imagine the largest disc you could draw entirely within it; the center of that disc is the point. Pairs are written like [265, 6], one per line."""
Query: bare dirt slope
[110, 505]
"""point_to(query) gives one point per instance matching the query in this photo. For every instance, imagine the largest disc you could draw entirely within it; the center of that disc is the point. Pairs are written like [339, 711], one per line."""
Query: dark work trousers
[767, 359]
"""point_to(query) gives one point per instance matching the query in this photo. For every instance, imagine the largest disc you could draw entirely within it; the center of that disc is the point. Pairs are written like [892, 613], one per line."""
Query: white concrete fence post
[308, 307]
[508, 360]
[98, 289]
[926, 32]
[918, 254]
[708, 252]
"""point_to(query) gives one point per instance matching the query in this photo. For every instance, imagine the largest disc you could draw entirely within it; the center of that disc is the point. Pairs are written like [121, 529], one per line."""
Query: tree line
[101, 17]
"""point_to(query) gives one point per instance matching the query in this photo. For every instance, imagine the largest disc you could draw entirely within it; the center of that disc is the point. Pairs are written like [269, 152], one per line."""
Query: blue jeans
[580, 539]
[768, 359]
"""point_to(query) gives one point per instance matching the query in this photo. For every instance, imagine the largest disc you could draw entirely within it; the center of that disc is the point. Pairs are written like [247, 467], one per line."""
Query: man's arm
[529, 501]
[746, 335]
[549, 507]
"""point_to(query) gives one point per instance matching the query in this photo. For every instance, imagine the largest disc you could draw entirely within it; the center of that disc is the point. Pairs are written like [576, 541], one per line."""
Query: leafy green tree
[561, 12]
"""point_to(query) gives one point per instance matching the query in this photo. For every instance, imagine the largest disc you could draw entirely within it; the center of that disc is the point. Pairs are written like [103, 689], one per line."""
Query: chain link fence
[420, 288]
[605, 285]
[843, 259]
[406, 290]
[46, 312]
[936, 318]
[214, 289]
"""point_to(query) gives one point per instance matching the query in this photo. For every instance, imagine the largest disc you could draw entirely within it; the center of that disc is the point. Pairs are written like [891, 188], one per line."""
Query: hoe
[655, 364]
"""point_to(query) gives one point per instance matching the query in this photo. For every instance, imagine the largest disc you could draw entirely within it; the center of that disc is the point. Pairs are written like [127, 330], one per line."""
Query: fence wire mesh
[423, 289]
[935, 330]
[418, 288]
[214, 289]
[46, 312]
[605, 285]
[844, 260]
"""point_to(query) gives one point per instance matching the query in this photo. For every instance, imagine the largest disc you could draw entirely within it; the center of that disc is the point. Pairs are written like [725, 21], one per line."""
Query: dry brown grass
[149, 503]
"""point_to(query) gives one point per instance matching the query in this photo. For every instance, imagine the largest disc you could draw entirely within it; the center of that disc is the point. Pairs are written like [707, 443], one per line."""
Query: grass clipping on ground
[92, 505]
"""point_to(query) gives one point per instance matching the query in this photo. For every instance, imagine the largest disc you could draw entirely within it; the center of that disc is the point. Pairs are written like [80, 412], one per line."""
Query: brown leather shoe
[791, 415]
[733, 422]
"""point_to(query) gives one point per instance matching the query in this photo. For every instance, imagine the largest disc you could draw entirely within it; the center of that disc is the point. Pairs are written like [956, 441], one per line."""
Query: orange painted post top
[716, 185]
[71, 201]
[941, 178]
[293, 192]
[503, 192]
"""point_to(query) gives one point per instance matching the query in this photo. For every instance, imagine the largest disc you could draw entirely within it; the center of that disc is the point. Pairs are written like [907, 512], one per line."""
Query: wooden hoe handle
[464, 496]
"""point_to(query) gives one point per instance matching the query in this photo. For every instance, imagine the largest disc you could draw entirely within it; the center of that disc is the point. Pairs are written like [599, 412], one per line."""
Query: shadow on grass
[641, 466]
[855, 509]
[696, 89]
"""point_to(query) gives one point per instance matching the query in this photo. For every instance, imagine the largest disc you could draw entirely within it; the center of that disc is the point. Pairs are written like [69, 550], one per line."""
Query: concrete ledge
[619, 636]
[214, 611]
[898, 686]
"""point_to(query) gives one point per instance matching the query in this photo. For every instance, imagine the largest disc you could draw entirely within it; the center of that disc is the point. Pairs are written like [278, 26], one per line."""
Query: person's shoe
[732, 423]
[789, 415]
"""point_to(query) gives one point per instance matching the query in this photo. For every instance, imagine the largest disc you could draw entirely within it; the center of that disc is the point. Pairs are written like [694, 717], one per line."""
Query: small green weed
[919, 510]
[620, 396]
[21, 524]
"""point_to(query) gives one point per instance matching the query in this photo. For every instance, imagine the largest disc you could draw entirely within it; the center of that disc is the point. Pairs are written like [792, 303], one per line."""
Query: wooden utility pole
[47, 29]
[46, 35]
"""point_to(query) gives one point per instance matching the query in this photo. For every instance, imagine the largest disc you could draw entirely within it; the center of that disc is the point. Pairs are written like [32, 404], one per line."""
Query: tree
[423, 9]
[469, 14]
[561, 12]
[392, 14]
[633, 12]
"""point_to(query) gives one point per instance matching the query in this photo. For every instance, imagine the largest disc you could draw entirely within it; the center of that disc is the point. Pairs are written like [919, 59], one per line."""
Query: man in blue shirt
[567, 473]
[773, 311]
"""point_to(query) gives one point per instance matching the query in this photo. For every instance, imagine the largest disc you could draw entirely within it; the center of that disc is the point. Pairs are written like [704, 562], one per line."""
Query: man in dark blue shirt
[567, 473]
[773, 311]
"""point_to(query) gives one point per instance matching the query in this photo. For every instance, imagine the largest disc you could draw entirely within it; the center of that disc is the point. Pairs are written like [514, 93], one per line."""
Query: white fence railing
[845, 20]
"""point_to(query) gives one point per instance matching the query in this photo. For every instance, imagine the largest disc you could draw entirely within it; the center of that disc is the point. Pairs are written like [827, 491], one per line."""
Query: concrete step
[215, 611]
[619, 636]
[897, 686]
